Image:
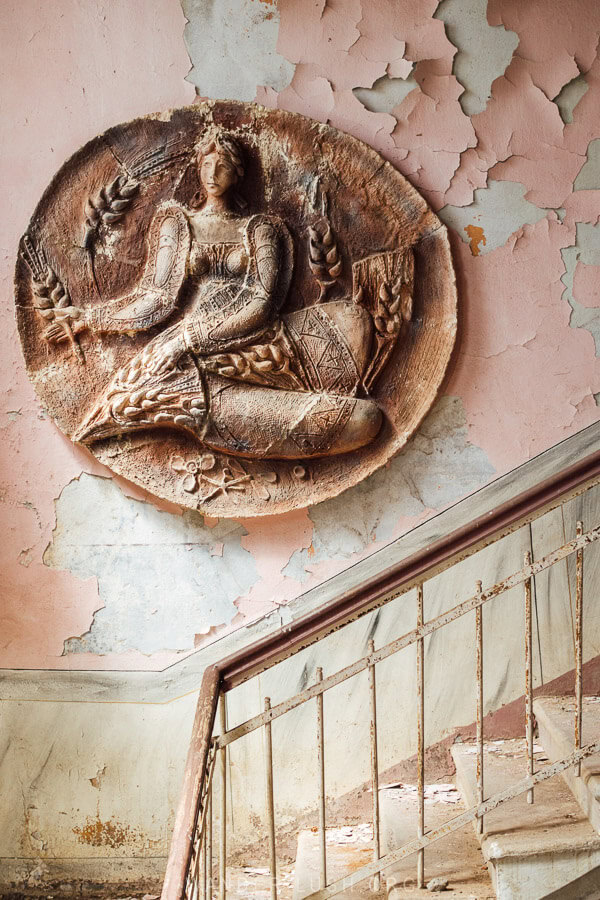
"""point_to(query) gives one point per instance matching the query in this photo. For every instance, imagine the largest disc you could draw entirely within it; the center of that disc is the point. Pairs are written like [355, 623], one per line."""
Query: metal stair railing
[191, 865]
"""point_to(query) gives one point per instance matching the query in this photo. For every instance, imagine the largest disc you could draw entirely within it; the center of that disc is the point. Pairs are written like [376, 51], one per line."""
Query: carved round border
[372, 208]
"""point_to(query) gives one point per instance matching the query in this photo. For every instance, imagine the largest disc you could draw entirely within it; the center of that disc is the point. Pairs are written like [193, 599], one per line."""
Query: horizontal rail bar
[407, 639]
[520, 787]
[404, 575]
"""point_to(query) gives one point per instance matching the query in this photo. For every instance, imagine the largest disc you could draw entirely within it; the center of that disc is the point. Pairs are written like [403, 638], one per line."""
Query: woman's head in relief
[220, 164]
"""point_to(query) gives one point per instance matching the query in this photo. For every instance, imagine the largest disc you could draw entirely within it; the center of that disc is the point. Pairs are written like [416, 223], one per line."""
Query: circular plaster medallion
[239, 309]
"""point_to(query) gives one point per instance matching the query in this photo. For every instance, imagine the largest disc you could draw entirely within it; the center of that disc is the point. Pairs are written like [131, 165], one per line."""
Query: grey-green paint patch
[586, 250]
[500, 209]
[386, 93]
[569, 96]
[483, 51]
[157, 580]
[232, 47]
[588, 178]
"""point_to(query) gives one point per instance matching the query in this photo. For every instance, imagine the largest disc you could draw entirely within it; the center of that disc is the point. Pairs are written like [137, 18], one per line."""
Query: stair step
[532, 850]
[348, 848]
[555, 717]
[456, 857]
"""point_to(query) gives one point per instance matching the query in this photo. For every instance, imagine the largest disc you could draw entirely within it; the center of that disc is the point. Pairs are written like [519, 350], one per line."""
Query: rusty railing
[192, 864]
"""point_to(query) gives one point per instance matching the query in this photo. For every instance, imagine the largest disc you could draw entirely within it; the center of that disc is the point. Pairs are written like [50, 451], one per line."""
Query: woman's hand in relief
[161, 357]
[69, 315]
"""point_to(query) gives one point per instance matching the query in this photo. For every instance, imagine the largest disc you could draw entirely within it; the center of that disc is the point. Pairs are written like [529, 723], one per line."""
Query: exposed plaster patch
[386, 93]
[584, 252]
[569, 96]
[484, 51]
[500, 209]
[159, 579]
[589, 175]
[232, 47]
[436, 468]
[26, 557]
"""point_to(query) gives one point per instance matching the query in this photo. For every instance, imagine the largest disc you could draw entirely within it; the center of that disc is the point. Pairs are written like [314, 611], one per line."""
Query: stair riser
[534, 877]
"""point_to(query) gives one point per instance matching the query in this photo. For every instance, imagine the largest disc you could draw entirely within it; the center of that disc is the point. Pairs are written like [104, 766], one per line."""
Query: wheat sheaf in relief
[242, 312]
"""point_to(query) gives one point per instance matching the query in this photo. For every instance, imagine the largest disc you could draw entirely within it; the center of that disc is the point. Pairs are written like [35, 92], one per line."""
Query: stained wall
[489, 109]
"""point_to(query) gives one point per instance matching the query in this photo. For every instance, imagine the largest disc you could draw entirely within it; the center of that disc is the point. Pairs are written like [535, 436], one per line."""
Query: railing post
[270, 803]
[223, 812]
[579, 648]
[209, 832]
[374, 764]
[479, 667]
[528, 676]
[420, 739]
[321, 768]
[204, 868]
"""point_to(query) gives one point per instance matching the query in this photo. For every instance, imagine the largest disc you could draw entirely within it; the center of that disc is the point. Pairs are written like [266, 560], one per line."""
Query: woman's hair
[225, 143]
[222, 142]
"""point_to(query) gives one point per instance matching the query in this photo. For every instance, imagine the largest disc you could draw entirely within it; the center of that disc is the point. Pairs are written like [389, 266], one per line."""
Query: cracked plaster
[162, 579]
[525, 374]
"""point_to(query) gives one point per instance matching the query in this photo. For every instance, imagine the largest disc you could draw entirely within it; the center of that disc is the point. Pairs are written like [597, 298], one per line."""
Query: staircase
[522, 819]
[525, 851]
[531, 850]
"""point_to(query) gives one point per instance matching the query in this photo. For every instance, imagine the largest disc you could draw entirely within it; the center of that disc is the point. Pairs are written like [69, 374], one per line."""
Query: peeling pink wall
[526, 378]
[69, 70]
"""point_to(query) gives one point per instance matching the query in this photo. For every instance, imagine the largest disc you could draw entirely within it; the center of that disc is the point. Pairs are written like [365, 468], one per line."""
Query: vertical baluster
[321, 768]
[223, 822]
[191, 887]
[579, 648]
[204, 867]
[209, 832]
[270, 804]
[420, 740]
[198, 872]
[193, 875]
[479, 667]
[374, 764]
[528, 677]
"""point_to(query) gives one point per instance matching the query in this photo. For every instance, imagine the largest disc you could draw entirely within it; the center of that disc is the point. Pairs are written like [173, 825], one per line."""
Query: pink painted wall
[523, 378]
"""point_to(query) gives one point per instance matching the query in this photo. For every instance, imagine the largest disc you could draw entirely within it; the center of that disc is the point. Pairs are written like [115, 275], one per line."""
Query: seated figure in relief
[232, 370]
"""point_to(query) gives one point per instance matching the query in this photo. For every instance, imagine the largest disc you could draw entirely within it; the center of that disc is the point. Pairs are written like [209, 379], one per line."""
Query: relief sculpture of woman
[230, 368]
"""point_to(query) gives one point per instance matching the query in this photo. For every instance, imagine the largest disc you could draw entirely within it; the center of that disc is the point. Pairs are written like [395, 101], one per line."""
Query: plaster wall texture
[95, 785]
[503, 144]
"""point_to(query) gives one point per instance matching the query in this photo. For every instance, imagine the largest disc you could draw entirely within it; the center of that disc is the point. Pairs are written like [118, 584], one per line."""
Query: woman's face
[217, 174]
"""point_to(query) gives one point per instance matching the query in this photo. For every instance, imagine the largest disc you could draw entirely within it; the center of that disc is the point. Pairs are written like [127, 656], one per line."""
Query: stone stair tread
[555, 717]
[456, 857]
[554, 823]
[348, 848]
